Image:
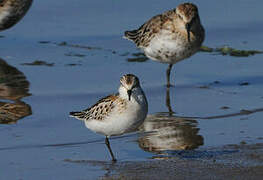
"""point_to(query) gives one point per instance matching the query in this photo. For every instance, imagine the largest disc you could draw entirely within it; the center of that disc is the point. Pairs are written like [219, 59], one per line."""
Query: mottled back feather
[143, 35]
[99, 110]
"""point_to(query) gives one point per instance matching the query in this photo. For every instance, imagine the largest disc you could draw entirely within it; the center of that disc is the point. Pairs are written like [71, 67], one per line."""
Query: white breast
[119, 122]
[168, 48]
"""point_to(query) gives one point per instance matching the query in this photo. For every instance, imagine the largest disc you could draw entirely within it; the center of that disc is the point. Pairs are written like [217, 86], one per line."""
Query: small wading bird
[170, 37]
[117, 114]
[11, 11]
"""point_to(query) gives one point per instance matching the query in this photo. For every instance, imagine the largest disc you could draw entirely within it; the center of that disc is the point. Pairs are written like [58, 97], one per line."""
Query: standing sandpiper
[11, 11]
[170, 37]
[117, 114]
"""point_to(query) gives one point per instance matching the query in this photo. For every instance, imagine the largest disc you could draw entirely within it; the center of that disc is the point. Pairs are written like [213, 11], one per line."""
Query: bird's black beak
[188, 28]
[129, 94]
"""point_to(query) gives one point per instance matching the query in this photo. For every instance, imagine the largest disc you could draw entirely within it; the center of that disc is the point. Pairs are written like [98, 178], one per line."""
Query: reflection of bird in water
[170, 37]
[164, 132]
[11, 11]
[10, 113]
[13, 87]
[13, 83]
[117, 114]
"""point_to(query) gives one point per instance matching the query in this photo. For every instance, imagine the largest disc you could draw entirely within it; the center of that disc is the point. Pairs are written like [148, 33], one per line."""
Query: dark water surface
[217, 100]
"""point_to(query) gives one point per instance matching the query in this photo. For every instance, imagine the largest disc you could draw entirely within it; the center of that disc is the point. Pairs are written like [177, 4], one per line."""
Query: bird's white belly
[166, 49]
[118, 122]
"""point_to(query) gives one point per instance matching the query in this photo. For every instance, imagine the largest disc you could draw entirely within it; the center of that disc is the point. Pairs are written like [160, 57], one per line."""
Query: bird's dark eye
[180, 16]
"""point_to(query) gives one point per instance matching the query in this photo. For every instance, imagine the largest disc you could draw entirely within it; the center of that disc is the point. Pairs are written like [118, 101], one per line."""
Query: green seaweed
[137, 57]
[138, 54]
[204, 87]
[244, 84]
[206, 49]
[75, 54]
[226, 50]
[64, 43]
[243, 53]
[225, 107]
[73, 64]
[38, 63]
[44, 42]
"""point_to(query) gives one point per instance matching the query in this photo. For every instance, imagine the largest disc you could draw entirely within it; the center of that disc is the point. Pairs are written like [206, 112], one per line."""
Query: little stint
[170, 37]
[117, 114]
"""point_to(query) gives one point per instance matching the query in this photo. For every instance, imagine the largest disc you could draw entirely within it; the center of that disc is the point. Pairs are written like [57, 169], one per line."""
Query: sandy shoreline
[246, 163]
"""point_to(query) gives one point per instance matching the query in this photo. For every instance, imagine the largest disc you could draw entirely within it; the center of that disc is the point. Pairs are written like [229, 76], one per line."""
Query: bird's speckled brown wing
[99, 110]
[142, 36]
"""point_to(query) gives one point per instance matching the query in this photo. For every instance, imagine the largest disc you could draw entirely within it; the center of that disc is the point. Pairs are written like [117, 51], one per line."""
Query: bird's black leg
[168, 102]
[108, 145]
[168, 72]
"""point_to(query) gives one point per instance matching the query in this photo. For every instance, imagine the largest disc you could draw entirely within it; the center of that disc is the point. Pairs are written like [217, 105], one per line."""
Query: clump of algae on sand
[226, 50]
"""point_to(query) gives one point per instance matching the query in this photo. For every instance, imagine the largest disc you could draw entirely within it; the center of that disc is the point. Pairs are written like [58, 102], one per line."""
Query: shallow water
[211, 106]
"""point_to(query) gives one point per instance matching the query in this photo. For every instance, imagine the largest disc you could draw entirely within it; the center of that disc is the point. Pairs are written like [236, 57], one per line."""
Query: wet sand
[247, 163]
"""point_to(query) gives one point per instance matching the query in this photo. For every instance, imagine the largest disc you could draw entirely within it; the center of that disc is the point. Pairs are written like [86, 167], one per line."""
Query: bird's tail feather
[131, 35]
[78, 115]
